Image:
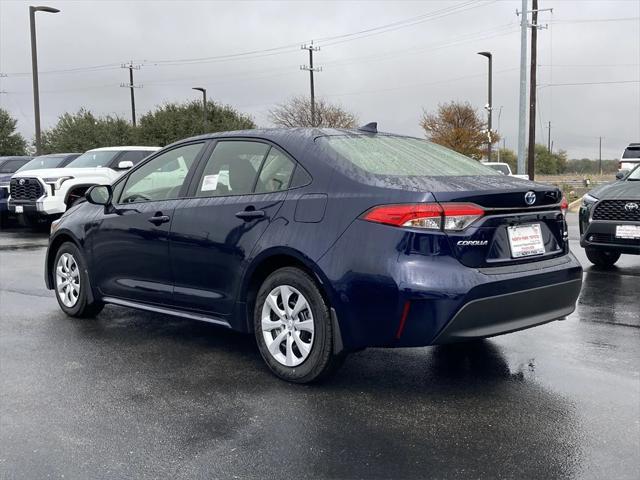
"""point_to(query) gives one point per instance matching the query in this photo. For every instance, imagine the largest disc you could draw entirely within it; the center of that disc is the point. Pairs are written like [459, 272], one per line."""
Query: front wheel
[293, 327]
[72, 283]
[602, 258]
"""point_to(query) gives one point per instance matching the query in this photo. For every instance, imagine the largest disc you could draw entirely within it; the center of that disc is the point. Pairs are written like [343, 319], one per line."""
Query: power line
[288, 48]
[588, 83]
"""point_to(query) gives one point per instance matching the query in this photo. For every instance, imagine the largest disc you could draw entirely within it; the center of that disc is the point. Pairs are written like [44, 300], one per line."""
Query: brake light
[419, 215]
[564, 205]
[431, 216]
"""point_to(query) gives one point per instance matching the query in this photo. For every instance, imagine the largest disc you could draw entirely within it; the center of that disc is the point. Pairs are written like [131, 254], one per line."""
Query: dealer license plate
[628, 231]
[526, 240]
[19, 209]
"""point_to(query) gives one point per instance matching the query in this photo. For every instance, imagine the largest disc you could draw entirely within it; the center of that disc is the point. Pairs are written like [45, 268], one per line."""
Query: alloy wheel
[287, 325]
[67, 280]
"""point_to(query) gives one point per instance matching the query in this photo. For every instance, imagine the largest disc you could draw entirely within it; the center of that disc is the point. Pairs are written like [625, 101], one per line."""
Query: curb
[573, 205]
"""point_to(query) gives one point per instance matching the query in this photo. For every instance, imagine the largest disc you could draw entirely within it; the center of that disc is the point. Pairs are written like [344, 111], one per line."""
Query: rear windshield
[94, 159]
[631, 152]
[402, 156]
[39, 163]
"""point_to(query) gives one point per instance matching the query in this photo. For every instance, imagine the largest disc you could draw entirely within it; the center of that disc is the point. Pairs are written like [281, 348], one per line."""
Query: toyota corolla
[319, 242]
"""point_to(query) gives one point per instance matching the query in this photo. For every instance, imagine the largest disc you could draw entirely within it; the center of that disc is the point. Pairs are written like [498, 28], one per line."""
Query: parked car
[45, 193]
[504, 168]
[610, 220]
[8, 166]
[630, 157]
[320, 242]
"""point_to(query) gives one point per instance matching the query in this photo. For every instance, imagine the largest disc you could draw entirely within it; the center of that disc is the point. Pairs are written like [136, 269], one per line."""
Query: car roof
[495, 163]
[122, 149]
[57, 155]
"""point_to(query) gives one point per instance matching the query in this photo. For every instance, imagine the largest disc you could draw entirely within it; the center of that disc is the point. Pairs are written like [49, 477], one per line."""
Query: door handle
[248, 215]
[159, 219]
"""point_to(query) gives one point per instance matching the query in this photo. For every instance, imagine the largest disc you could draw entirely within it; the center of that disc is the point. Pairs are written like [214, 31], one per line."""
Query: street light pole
[34, 69]
[489, 105]
[204, 107]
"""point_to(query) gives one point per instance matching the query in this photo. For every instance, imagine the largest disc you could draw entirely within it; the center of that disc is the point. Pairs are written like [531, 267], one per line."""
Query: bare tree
[296, 112]
[458, 126]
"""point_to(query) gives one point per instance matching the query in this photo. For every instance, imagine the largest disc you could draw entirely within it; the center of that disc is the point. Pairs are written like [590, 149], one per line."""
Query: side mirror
[619, 175]
[125, 165]
[99, 195]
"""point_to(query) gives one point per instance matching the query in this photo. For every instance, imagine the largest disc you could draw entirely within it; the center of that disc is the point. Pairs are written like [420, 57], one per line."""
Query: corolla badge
[22, 181]
[530, 197]
[631, 207]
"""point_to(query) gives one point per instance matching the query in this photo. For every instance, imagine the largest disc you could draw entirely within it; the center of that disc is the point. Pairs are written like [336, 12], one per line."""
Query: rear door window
[232, 168]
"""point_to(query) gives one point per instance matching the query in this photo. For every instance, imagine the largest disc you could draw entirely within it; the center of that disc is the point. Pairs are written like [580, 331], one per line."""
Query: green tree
[548, 163]
[296, 112]
[77, 132]
[457, 125]
[174, 121]
[11, 142]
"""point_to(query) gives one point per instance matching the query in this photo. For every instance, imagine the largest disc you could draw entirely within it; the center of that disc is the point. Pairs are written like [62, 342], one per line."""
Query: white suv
[47, 193]
[630, 157]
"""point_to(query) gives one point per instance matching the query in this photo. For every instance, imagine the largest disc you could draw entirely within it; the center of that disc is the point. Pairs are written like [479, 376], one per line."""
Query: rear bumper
[424, 295]
[491, 316]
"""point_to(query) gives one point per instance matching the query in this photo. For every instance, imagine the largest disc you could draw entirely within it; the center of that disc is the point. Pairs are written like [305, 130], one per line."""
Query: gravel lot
[139, 395]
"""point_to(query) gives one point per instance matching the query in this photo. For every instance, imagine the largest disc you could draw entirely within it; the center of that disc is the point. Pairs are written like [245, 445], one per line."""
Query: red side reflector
[403, 319]
[398, 215]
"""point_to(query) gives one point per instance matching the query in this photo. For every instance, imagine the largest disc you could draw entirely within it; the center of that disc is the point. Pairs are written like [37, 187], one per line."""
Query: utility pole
[34, 69]
[131, 86]
[522, 111]
[531, 168]
[311, 69]
[489, 107]
[532, 87]
[549, 137]
[600, 155]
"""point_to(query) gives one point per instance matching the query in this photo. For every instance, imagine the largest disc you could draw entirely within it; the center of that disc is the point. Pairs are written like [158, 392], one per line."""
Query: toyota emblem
[530, 197]
[631, 207]
[22, 181]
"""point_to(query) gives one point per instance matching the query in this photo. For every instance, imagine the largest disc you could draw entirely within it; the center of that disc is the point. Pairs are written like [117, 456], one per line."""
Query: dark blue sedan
[320, 242]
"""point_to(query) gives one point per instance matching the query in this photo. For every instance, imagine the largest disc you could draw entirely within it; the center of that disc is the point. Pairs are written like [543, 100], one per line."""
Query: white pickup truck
[36, 195]
[505, 169]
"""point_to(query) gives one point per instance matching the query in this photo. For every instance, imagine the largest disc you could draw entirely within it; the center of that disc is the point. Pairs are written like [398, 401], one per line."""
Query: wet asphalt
[138, 395]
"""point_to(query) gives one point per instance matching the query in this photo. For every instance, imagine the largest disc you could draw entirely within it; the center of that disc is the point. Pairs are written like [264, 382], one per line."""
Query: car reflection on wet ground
[139, 395]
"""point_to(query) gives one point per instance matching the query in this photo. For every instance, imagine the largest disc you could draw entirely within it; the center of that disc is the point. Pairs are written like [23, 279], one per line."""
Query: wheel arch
[268, 262]
[83, 187]
[54, 244]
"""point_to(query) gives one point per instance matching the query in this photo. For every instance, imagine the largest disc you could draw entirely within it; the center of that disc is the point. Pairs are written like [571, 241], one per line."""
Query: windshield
[39, 163]
[634, 175]
[94, 159]
[500, 168]
[402, 156]
[632, 152]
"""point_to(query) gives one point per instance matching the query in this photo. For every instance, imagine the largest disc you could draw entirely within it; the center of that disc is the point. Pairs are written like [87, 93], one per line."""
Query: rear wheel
[72, 283]
[293, 327]
[602, 258]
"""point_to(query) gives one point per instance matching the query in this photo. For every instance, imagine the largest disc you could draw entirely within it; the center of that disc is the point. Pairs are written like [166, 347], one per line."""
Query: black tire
[82, 308]
[321, 361]
[602, 258]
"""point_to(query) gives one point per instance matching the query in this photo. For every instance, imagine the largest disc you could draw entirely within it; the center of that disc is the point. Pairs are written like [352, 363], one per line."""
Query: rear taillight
[431, 216]
[564, 205]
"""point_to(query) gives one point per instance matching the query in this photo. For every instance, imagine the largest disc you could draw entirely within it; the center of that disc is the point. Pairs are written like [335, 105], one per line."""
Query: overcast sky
[386, 75]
